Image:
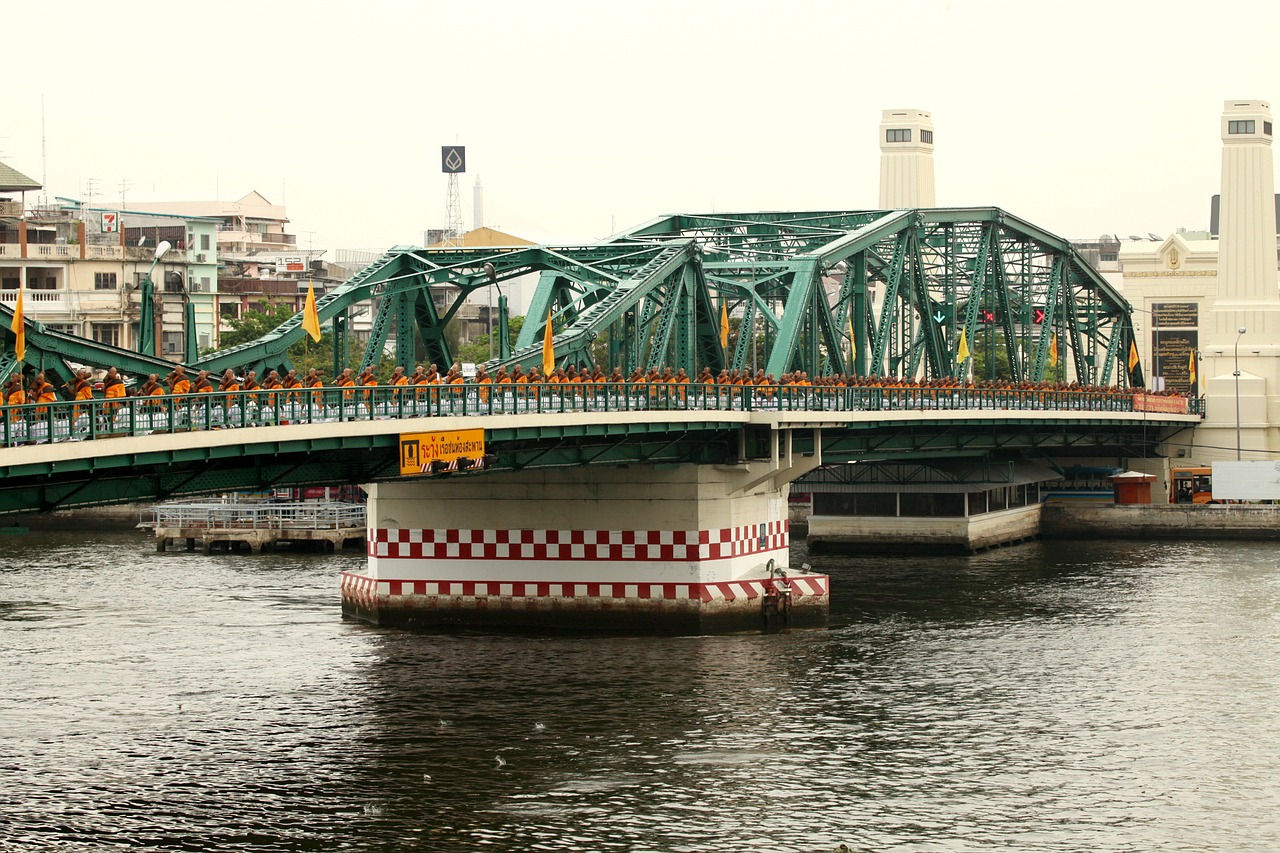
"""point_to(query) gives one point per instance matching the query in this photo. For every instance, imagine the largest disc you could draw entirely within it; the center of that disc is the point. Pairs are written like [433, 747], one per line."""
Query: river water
[1049, 697]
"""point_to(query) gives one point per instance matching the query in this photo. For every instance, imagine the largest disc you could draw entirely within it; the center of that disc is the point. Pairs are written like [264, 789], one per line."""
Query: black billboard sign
[1175, 315]
[453, 159]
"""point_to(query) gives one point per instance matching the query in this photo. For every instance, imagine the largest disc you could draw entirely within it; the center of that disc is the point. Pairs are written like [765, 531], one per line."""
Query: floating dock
[257, 526]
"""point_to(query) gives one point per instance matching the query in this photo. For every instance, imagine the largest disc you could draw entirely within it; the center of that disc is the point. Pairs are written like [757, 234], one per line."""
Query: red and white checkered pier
[569, 555]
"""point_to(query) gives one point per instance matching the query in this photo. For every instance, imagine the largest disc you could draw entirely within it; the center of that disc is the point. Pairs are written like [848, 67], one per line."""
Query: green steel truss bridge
[888, 293]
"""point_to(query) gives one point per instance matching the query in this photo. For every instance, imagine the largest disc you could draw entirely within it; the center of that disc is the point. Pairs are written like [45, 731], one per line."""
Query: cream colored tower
[1241, 343]
[1247, 296]
[906, 159]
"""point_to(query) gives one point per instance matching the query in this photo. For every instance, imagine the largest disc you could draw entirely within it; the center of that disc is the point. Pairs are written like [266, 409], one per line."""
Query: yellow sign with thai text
[419, 449]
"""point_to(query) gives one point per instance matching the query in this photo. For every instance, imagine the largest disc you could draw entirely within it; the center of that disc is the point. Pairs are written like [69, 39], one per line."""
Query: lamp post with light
[147, 315]
[1236, 374]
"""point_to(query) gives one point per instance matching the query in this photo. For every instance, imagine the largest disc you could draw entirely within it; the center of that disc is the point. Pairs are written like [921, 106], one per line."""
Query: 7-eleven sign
[110, 222]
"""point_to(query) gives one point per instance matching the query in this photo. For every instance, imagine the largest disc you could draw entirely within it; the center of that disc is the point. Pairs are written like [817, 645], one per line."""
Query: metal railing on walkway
[87, 420]
[307, 515]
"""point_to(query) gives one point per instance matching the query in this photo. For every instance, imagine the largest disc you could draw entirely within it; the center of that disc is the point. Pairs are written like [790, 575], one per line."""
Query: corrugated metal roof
[11, 180]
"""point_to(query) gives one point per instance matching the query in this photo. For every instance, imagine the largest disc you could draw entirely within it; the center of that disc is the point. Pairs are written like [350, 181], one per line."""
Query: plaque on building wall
[1171, 357]
[1175, 315]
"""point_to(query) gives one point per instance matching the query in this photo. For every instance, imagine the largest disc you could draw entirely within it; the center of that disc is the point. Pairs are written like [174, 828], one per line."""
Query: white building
[1194, 295]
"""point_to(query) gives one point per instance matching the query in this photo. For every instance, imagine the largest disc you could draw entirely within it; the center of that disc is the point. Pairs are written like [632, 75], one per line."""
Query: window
[204, 284]
[1266, 128]
[925, 136]
[36, 282]
[107, 333]
[899, 135]
[204, 242]
[173, 342]
[1240, 126]
[104, 281]
[64, 328]
[229, 309]
[9, 283]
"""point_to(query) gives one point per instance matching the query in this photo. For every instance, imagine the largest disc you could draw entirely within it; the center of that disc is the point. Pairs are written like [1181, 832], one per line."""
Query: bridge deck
[161, 448]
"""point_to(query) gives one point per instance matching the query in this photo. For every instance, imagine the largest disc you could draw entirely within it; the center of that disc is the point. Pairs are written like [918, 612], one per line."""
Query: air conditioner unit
[200, 259]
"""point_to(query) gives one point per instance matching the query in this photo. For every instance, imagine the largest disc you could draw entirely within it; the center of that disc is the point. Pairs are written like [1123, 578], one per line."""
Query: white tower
[1241, 344]
[906, 159]
[1247, 295]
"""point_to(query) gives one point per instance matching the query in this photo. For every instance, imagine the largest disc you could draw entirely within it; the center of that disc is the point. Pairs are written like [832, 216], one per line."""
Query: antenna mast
[453, 162]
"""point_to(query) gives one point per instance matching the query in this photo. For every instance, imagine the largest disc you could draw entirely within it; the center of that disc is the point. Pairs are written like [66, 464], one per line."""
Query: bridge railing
[88, 420]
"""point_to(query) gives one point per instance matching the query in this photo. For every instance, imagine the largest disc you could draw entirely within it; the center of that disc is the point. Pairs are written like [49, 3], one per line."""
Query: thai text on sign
[420, 449]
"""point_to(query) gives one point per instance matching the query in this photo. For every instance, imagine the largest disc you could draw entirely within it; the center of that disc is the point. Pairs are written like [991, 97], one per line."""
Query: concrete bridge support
[640, 548]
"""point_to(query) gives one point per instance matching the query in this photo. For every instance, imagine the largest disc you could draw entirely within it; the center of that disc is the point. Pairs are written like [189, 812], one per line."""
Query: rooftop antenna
[124, 189]
[44, 156]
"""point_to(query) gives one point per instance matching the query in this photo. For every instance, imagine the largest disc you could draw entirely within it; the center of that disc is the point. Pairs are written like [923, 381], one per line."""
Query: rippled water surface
[1049, 697]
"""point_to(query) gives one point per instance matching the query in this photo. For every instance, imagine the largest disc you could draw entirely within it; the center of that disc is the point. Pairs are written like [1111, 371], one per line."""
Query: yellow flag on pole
[310, 318]
[724, 324]
[962, 351]
[853, 342]
[19, 328]
[1133, 355]
[1053, 351]
[1191, 369]
[548, 350]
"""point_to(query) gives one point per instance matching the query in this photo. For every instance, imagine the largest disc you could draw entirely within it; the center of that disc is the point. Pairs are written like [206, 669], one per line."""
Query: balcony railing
[33, 300]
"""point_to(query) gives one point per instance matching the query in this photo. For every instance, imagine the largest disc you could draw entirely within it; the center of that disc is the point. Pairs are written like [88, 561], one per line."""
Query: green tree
[305, 354]
[253, 324]
[477, 350]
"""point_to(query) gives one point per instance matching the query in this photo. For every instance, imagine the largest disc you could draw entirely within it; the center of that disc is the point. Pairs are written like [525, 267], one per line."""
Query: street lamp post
[1236, 374]
[147, 312]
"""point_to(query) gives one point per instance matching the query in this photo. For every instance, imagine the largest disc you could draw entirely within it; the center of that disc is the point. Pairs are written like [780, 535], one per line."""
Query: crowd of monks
[178, 382]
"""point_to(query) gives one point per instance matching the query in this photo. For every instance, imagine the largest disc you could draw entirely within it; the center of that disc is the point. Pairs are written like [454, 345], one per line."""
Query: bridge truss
[887, 293]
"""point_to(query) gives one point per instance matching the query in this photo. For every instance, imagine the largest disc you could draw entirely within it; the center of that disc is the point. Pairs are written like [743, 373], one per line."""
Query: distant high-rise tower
[906, 159]
[477, 205]
[1247, 223]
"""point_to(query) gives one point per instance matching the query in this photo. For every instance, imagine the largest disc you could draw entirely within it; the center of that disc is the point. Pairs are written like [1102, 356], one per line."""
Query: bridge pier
[676, 549]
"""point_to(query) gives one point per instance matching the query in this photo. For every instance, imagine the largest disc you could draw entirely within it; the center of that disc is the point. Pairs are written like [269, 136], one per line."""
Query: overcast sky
[1084, 117]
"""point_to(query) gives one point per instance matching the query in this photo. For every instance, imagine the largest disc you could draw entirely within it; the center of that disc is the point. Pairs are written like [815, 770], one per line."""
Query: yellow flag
[1053, 351]
[1191, 369]
[1133, 355]
[724, 324]
[19, 328]
[548, 350]
[962, 351]
[853, 341]
[311, 319]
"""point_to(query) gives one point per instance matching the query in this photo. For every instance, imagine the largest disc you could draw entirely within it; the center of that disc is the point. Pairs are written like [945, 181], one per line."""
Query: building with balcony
[80, 271]
[247, 227]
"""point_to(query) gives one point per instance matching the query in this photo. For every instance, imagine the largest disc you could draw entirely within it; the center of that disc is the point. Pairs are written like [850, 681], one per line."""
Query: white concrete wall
[677, 503]
[879, 532]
